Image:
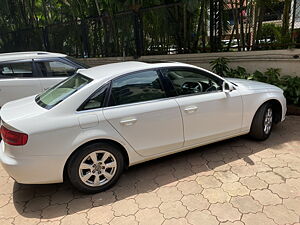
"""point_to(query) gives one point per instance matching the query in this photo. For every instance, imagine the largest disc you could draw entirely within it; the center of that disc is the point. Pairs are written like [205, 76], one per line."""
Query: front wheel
[95, 167]
[262, 123]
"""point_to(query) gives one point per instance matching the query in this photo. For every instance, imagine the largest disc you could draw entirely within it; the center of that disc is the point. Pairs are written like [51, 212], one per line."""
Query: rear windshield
[61, 91]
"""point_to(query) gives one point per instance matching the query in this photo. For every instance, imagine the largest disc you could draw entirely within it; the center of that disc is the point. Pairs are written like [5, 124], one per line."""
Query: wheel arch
[102, 140]
[277, 108]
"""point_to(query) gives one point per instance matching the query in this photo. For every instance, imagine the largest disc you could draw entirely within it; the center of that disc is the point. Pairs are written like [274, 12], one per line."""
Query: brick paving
[234, 182]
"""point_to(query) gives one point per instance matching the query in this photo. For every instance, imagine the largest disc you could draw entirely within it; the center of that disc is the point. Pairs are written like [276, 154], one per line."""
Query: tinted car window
[190, 82]
[61, 91]
[56, 69]
[96, 100]
[137, 87]
[16, 70]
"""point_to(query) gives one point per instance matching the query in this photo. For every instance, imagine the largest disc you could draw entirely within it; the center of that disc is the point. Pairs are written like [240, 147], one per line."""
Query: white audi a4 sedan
[93, 125]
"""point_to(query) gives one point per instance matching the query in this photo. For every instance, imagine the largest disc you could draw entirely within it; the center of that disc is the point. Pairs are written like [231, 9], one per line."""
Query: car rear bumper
[33, 169]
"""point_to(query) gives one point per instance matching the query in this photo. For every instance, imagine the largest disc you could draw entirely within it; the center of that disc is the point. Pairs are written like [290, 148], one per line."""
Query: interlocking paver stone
[9, 210]
[232, 223]
[257, 218]
[265, 197]
[293, 204]
[124, 220]
[75, 219]
[270, 177]
[27, 218]
[181, 221]
[235, 189]
[215, 195]
[284, 190]
[280, 214]
[236, 182]
[208, 182]
[246, 204]
[103, 198]
[102, 214]
[243, 171]
[80, 205]
[6, 221]
[4, 199]
[201, 217]
[37, 204]
[169, 194]
[125, 207]
[274, 162]
[254, 183]
[226, 176]
[55, 211]
[149, 216]
[287, 172]
[173, 209]
[195, 202]
[147, 200]
[189, 187]
[225, 212]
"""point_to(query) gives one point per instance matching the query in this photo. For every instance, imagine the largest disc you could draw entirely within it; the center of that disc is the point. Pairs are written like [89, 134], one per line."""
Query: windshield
[61, 91]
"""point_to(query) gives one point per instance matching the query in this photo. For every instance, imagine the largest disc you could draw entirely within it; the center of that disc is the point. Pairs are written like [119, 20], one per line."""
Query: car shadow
[57, 200]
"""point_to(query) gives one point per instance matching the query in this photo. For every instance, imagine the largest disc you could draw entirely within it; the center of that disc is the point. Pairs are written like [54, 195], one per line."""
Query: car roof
[28, 55]
[112, 70]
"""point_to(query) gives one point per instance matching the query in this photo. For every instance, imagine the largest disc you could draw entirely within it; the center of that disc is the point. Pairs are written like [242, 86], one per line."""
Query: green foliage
[220, 66]
[239, 72]
[291, 87]
[289, 84]
[270, 32]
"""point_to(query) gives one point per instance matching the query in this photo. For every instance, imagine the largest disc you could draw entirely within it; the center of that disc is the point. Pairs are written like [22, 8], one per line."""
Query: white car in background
[27, 73]
[104, 119]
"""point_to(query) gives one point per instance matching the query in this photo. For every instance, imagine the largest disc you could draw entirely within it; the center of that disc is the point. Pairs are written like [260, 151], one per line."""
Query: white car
[24, 74]
[104, 119]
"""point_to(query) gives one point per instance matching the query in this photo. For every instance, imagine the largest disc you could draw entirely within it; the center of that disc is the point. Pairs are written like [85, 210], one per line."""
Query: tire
[262, 123]
[96, 167]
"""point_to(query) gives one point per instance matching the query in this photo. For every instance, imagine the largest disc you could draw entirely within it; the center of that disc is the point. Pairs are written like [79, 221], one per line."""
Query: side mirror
[227, 87]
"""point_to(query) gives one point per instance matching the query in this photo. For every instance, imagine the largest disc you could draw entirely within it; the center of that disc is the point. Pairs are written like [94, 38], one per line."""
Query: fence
[157, 30]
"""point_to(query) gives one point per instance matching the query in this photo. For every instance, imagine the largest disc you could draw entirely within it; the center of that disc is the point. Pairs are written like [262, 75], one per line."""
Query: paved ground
[238, 182]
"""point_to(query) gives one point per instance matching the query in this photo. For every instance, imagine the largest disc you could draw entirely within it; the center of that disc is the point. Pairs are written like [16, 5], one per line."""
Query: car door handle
[128, 122]
[191, 109]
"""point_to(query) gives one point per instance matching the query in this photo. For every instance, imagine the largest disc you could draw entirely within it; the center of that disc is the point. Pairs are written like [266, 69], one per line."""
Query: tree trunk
[293, 19]
[261, 13]
[242, 24]
[286, 18]
[234, 6]
[199, 27]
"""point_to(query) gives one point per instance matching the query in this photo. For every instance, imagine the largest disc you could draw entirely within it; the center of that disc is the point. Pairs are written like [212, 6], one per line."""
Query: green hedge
[289, 84]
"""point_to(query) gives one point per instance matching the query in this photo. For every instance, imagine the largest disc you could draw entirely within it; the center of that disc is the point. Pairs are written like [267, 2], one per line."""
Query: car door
[141, 112]
[208, 113]
[52, 71]
[17, 80]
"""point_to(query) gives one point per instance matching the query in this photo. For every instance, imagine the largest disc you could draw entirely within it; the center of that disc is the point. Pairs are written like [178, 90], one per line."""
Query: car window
[16, 70]
[96, 100]
[137, 87]
[56, 69]
[61, 91]
[191, 81]
[80, 63]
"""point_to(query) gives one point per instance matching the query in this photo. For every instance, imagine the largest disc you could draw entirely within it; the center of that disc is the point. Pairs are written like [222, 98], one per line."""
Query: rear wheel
[262, 123]
[95, 167]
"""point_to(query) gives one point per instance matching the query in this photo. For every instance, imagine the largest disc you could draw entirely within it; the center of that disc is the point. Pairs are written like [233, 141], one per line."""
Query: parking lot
[238, 181]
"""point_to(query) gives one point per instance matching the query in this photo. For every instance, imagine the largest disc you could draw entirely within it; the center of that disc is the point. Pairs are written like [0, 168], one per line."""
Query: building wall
[287, 60]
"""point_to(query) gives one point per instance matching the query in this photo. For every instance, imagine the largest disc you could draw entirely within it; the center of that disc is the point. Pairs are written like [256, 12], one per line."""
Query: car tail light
[12, 137]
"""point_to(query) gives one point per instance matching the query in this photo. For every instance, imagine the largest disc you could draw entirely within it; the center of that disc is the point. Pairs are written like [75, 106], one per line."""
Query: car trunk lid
[12, 112]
